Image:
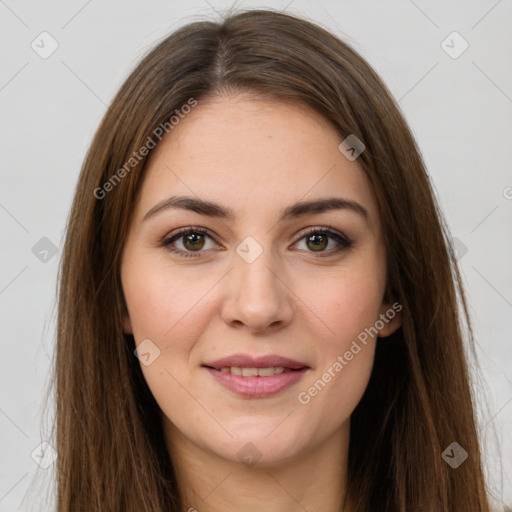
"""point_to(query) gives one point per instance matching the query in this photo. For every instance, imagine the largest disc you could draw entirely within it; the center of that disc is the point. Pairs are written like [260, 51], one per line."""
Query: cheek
[160, 300]
[345, 358]
[330, 396]
[167, 306]
[345, 301]
[346, 307]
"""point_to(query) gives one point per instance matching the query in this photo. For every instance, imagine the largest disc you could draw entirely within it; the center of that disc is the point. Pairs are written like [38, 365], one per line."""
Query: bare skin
[300, 298]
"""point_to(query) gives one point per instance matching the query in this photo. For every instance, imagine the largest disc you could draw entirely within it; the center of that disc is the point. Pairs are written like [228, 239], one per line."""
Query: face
[249, 300]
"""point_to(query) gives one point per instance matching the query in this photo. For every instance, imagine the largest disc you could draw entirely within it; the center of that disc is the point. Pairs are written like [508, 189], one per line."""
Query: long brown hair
[111, 451]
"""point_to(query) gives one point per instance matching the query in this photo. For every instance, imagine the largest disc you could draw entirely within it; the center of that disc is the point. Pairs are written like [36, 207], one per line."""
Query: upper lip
[247, 361]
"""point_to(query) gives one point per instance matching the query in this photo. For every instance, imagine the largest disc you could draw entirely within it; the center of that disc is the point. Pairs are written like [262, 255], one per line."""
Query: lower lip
[257, 387]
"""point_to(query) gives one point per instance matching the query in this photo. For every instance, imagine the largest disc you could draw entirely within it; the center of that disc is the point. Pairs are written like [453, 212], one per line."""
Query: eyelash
[344, 242]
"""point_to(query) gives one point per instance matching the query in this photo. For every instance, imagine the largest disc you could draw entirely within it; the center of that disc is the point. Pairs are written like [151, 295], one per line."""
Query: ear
[127, 324]
[390, 319]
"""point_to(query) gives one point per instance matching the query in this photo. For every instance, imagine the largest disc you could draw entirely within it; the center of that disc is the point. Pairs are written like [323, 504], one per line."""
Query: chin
[261, 450]
[262, 455]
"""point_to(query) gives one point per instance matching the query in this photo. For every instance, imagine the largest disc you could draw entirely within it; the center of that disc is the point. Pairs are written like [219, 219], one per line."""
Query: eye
[192, 240]
[316, 240]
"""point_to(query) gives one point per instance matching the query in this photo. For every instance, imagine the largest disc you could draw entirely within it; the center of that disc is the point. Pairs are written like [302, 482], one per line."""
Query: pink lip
[246, 361]
[257, 387]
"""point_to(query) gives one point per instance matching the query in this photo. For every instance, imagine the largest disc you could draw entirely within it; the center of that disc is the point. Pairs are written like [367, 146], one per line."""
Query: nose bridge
[253, 266]
[258, 298]
[257, 276]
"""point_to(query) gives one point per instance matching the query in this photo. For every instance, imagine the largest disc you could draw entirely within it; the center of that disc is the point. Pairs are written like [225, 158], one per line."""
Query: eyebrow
[211, 209]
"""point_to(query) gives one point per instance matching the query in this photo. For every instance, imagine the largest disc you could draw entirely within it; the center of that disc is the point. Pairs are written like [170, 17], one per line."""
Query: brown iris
[193, 241]
[318, 243]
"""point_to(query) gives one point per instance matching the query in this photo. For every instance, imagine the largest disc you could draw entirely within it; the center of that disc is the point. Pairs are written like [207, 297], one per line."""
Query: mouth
[256, 377]
[254, 372]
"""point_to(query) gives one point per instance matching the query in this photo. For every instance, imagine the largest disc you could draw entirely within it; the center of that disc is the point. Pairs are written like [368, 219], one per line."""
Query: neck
[314, 480]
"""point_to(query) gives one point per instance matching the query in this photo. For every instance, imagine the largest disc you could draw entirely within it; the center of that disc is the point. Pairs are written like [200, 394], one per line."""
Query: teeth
[250, 372]
[253, 372]
[266, 372]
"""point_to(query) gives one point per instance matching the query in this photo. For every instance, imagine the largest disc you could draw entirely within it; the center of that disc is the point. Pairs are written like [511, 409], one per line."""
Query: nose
[257, 297]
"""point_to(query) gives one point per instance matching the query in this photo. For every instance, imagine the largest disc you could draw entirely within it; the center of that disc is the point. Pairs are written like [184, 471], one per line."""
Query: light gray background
[460, 110]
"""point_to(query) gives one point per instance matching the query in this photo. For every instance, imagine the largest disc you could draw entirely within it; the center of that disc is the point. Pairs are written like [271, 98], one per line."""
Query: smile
[256, 377]
[254, 372]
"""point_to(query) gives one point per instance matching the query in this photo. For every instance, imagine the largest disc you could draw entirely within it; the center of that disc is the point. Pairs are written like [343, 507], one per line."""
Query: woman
[258, 300]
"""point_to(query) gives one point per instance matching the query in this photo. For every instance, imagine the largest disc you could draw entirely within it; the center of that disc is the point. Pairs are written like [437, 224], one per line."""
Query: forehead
[254, 156]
